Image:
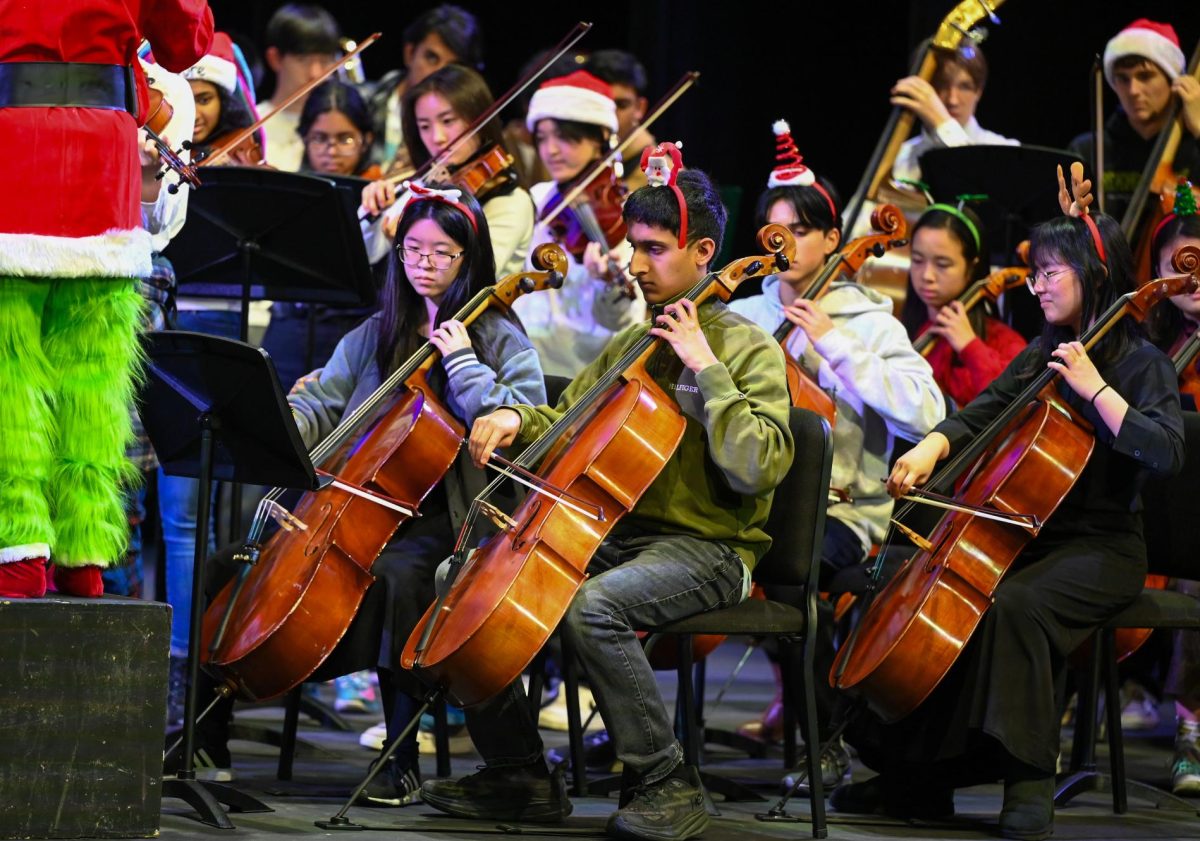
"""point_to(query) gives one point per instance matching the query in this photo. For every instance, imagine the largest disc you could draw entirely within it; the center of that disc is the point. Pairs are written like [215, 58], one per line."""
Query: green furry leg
[26, 420]
[90, 337]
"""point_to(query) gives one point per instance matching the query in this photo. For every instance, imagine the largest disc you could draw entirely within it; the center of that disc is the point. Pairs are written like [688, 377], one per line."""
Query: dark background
[826, 67]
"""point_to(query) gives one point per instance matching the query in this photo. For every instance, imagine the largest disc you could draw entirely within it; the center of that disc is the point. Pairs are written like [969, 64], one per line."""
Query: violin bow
[301, 91]
[578, 31]
[686, 81]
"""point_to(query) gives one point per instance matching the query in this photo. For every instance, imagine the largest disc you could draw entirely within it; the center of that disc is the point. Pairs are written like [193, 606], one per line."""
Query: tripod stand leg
[234, 799]
[199, 798]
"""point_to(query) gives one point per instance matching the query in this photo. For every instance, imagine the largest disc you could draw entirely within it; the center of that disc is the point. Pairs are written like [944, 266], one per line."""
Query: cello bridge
[286, 519]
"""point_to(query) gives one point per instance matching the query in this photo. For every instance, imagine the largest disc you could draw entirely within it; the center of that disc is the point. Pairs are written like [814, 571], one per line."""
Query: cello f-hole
[518, 538]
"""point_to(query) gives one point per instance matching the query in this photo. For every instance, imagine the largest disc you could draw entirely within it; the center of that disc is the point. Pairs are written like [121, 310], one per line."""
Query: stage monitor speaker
[83, 688]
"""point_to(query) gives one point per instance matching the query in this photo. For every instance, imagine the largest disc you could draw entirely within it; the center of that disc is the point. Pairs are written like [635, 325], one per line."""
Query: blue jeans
[637, 581]
[178, 498]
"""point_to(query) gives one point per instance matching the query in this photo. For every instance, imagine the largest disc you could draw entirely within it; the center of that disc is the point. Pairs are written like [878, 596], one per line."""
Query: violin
[488, 171]
[157, 119]
[989, 288]
[949, 35]
[1159, 178]
[593, 216]
[1026, 460]
[234, 142]
[502, 601]
[803, 387]
[273, 625]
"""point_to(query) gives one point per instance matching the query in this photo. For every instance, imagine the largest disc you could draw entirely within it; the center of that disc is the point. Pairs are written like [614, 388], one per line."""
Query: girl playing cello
[994, 715]
[442, 258]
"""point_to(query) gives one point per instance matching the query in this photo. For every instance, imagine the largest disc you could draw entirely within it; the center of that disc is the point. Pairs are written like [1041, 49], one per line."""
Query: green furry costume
[68, 360]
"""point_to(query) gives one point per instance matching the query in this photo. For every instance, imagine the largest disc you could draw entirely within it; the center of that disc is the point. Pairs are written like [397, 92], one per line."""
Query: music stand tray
[214, 408]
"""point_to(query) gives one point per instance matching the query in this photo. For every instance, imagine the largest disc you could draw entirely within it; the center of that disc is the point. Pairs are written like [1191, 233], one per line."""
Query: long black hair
[235, 115]
[1166, 321]
[402, 308]
[914, 314]
[1067, 240]
[340, 97]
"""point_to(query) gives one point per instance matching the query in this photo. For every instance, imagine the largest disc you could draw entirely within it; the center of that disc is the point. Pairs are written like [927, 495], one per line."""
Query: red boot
[23, 579]
[79, 581]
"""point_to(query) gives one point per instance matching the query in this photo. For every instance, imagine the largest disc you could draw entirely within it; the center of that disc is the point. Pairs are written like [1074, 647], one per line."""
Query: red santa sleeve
[179, 31]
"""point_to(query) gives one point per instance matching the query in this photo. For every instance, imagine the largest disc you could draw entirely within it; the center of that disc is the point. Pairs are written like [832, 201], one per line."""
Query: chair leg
[1082, 774]
[287, 747]
[570, 685]
[1112, 708]
[441, 737]
[812, 736]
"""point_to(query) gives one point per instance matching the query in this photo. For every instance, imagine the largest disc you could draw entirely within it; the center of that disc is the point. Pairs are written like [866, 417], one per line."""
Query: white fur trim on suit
[12, 554]
[111, 254]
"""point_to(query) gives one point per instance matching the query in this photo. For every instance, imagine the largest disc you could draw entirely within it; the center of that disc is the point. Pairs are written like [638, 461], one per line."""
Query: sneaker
[356, 693]
[373, 737]
[1185, 769]
[835, 769]
[455, 717]
[1141, 711]
[460, 741]
[529, 793]
[669, 810]
[392, 786]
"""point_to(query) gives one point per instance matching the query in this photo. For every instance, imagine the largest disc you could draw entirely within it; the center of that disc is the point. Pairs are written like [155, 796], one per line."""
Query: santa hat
[218, 67]
[579, 97]
[791, 171]
[1146, 39]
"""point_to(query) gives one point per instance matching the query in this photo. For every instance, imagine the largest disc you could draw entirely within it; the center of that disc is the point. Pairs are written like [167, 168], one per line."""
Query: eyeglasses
[1048, 279]
[339, 142]
[440, 260]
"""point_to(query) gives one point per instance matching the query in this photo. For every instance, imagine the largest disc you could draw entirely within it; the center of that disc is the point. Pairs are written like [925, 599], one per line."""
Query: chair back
[797, 521]
[1171, 514]
[555, 386]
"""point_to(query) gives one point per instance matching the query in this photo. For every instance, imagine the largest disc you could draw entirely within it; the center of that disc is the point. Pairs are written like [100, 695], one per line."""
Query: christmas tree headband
[791, 171]
[662, 166]
[419, 192]
[1185, 205]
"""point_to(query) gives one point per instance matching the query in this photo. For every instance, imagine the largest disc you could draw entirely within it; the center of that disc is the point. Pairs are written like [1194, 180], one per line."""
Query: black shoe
[1028, 812]
[835, 769]
[669, 810]
[882, 796]
[394, 785]
[529, 793]
[598, 752]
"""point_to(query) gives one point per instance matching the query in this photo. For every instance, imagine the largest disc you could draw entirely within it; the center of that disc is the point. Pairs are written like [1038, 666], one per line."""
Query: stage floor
[323, 778]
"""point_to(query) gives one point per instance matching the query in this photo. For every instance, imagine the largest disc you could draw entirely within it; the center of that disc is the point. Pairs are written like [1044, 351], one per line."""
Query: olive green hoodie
[736, 446]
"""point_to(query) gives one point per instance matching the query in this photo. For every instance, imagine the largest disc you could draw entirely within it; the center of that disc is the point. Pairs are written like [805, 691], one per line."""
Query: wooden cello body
[603, 454]
[270, 628]
[1025, 463]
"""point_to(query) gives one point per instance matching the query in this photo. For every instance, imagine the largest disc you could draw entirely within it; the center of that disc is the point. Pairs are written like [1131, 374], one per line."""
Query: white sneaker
[460, 741]
[554, 715]
[1141, 711]
[373, 737]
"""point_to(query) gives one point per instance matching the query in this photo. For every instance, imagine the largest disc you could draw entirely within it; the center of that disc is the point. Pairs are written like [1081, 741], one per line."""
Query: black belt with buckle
[62, 84]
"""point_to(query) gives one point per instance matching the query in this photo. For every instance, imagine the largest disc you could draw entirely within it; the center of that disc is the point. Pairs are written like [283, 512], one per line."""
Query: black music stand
[213, 408]
[1021, 191]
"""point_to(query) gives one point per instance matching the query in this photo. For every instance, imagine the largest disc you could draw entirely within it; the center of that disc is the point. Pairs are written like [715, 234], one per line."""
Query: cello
[505, 599]
[1026, 460]
[806, 393]
[1155, 193]
[949, 36]
[273, 625]
[1187, 367]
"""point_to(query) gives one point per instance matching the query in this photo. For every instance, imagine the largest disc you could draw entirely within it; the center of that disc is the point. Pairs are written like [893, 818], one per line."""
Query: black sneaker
[520, 794]
[669, 810]
[394, 785]
[835, 769]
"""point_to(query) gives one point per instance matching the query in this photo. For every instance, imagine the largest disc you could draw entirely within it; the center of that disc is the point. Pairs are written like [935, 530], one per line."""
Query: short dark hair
[658, 208]
[618, 67]
[812, 207]
[458, 28]
[337, 96]
[970, 59]
[575, 131]
[1129, 62]
[302, 29]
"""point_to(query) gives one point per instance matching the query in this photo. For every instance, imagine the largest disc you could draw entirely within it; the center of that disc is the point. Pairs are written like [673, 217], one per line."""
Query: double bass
[505, 598]
[1025, 461]
[273, 625]
[805, 392]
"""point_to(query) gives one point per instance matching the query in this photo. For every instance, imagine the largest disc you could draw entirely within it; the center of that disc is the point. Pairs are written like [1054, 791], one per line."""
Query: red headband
[420, 192]
[1091, 224]
[662, 165]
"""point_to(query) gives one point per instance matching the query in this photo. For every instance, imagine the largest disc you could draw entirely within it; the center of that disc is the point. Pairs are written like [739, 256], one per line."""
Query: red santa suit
[70, 244]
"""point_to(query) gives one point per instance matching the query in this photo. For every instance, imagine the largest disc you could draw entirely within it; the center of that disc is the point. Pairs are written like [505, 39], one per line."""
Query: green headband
[962, 217]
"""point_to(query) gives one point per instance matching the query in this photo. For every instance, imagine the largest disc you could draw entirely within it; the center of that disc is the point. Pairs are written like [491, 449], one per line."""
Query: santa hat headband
[218, 67]
[1146, 39]
[418, 192]
[662, 166]
[791, 171]
[579, 97]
